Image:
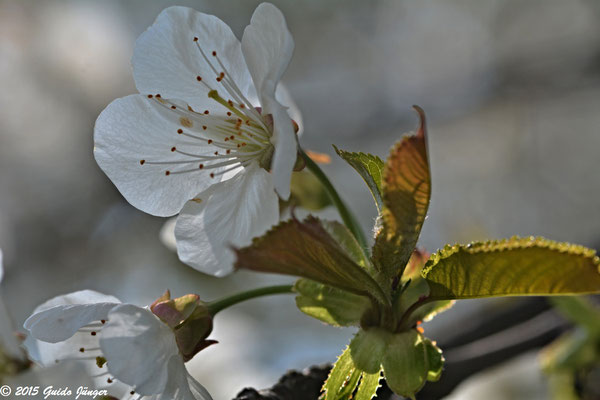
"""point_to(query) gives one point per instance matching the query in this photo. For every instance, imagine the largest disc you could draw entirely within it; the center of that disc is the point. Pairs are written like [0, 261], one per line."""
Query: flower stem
[347, 216]
[218, 305]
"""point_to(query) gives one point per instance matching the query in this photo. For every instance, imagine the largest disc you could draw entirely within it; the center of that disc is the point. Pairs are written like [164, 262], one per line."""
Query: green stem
[410, 310]
[218, 305]
[347, 217]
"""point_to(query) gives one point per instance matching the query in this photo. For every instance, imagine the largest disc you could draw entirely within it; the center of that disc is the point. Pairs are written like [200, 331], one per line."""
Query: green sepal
[308, 192]
[512, 267]
[330, 305]
[370, 168]
[405, 363]
[340, 377]
[368, 348]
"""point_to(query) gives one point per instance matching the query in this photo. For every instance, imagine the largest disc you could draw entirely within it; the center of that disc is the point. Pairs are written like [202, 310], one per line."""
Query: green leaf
[308, 192]
[339, 377]
[370, 168]
[369, 383]
[330, 305]
[580, 311]
[406, 192]
[571, 352]
[368, 348]
[307, 250]
[405, 363]
[435, 361]
[348, 242]
[514, 267]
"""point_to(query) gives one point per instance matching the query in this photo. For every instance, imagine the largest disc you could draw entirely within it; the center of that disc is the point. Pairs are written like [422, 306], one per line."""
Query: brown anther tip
[206, 112]
[214, 53]
[142, 162]
[198, 78]
[210, 141]
[103, 321]
[173, 148]
[167, 173]
[242, 105]
[158, 95]
[201, 166]
[132, 392]
[195, 39]
[228, 151]
[173, 107]
[81, 350]
[231, 137]
[204, 127]
[93, 333]
[212, 175]
[150, 96]
[229, 113]
[109, 380]
[219, 79]
[180, 131]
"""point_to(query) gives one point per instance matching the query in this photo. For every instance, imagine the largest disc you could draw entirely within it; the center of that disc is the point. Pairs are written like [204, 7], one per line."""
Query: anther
[195, 39]
[228, 151]
[173, 148]
[212, 175]
[231, 137]
[93, 333]
[210, 141]
[229, 113]
[173, 107]
[216, 153]
[214, 53]
[109, 380]
[132, 392]
[102, 321]
[204, 127]
[150, 96]
[199, 78]
[81, 349]
[142, 162]
[167, 173]
[206, 112]
[158, 95]
[180, 131]
[201, 166]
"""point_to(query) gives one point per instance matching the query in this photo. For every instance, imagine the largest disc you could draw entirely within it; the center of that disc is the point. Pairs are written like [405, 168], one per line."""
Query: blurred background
[512, 93]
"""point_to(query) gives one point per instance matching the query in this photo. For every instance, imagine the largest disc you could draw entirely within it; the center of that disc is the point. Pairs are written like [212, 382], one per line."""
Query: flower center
[216, 142]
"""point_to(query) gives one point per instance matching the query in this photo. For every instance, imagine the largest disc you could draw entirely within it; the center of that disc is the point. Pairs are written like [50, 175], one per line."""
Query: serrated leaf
[513, 267]
[348, 242]
[307, 250]
[339, 376]
[308, 192]
[369, 383]
[435, 361]
[330, 305]
[406, 192]
[405, 363]
[370, 168]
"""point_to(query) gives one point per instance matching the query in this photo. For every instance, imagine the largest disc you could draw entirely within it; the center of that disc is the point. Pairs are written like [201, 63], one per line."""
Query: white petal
[69, 374]
[229, 213]
[137, 347]
[1, 267]
[180, 385]
[59, 323]
[268, 46]
[166, 59]
[283, 96]
[286, 149]
[135, 128]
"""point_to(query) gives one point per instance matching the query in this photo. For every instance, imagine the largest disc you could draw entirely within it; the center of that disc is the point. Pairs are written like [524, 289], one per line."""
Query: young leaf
[368, 348]
[370, 168]
[348, 242]
[307, 192]
[369, 383]
[405, 363]
[513, 267]
[330, 305]
[406, 193]
[340, 377]
[307, 250]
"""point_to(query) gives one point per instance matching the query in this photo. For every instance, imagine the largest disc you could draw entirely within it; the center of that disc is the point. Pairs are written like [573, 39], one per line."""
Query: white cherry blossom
[209, 136]
[126, 348]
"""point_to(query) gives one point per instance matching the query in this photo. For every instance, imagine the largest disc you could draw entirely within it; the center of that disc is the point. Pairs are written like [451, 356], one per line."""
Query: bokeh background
[512, 92]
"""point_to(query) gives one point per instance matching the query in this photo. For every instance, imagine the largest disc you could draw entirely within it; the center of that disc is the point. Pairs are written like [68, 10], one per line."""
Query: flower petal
[268, 46]
[181, 386]
[167, 60]
[137, 347]
[134, 132]
[229, 213]
[59, 318]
